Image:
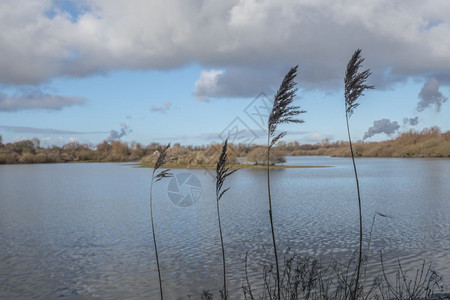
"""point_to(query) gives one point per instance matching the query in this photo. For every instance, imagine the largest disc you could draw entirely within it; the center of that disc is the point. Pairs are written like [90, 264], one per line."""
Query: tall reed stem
[225, 290]
[223, 170]
[282, 112]
[154, 238]
[271, 218]
[162, 159]
[360, 210]
[354, 87]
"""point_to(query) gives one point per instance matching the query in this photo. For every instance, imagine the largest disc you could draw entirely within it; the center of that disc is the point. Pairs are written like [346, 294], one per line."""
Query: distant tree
[103, 150]
[119, 151]
[25, 146]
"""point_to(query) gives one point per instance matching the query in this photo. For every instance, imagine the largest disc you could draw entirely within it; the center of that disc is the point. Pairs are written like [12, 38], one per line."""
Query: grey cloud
[117, 135]
[431, 96]
[238, 82]
[27, 99]
[411, 121]
[162, 108]
[382, 126]
[35, 130]
[238, 35]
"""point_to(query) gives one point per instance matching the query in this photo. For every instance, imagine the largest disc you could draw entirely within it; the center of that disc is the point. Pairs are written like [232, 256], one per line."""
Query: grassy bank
[426, 143]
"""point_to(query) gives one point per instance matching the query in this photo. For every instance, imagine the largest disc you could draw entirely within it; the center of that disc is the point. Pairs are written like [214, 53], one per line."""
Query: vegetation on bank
[429, 142]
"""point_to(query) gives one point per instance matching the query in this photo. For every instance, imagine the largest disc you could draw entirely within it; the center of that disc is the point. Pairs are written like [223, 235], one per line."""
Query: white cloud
[316, 137]
[400, 39]
[59, 141]
[206, 86]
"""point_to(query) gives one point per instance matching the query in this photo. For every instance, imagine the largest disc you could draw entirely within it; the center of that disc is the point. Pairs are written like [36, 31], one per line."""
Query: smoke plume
[382, 126]
[115, 135]
[411, 121]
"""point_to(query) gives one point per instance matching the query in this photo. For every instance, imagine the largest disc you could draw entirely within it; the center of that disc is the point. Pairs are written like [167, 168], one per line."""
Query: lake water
[83, 230]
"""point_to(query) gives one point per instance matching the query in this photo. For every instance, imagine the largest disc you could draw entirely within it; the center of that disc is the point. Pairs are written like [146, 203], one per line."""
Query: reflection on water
[83, 229]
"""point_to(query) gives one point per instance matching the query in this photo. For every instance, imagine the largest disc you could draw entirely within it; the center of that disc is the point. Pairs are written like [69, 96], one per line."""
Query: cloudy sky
[194, 71]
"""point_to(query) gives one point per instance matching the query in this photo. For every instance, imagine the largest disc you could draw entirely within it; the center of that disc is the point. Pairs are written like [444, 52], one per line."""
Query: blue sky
[193, 72]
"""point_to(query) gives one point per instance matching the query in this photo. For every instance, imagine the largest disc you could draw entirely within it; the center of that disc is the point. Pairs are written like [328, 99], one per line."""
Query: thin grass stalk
[367, 256]
[282, 112]
[354, 87]
[359, 210]
[154, 241]
[368, 249]
[162, 158]
[223, 253]
[271, 220]
[222, 172]
[247, 289]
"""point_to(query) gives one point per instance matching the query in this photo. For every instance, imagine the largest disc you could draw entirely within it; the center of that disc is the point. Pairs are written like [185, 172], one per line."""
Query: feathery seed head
[355, 82]
[222, 171]
[282, 111]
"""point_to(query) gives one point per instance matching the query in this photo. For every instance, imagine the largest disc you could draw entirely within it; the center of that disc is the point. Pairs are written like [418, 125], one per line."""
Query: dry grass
[429, 142]
[307, 278]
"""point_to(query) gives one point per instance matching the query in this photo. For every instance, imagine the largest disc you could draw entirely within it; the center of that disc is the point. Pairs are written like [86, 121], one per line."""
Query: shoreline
[236, 166]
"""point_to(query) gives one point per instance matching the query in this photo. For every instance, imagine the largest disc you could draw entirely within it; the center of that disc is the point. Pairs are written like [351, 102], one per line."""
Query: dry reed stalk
[282, 112]
[160, 162]
[223, 170]
[354, 87]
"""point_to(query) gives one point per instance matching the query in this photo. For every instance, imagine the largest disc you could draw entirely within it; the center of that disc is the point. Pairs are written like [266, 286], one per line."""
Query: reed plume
[282, 112]
[160, 162]
[354, 87]
[223, 170]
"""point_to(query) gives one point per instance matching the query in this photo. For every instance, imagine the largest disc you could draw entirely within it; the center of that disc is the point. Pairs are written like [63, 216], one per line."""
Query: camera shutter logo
[184, 189]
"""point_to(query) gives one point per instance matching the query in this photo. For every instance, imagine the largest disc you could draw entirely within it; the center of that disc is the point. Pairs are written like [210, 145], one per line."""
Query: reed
[160, 162]
[282, 112]
[354, 88]
[223, 170]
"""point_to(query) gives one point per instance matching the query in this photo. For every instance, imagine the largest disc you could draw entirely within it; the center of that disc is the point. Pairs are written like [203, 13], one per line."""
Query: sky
[197, 72]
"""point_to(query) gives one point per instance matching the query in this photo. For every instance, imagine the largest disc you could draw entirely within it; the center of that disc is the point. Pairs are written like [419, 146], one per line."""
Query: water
[83, 230]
